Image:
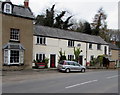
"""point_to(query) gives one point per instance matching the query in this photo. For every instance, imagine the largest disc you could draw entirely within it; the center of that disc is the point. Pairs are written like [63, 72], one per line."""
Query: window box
[40, 65]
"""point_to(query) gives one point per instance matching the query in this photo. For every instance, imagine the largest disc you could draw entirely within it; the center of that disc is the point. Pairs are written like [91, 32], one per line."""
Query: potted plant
[34, 64]
[46, 60]
[41, 64]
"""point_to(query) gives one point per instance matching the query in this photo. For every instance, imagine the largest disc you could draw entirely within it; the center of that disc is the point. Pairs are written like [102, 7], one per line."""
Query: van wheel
[82, 70]
[67, 70]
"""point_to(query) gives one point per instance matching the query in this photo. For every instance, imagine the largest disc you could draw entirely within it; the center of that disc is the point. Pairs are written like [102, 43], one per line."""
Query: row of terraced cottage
[21, 41]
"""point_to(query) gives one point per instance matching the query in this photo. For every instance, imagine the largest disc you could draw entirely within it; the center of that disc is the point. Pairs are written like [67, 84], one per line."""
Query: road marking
[81, 83]
[112, 77]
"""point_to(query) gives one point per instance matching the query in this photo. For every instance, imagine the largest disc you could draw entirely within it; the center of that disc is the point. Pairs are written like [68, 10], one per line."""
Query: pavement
[9, 76]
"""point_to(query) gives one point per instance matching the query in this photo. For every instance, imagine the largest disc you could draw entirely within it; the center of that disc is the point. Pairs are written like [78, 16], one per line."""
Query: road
[105, 81]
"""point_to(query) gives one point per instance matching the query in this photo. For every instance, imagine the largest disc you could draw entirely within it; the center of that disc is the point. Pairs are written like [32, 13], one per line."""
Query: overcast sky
[79, 9]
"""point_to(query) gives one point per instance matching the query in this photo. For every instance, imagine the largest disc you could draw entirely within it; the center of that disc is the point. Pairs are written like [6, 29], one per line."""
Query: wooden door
[81, 60]
[52, 60]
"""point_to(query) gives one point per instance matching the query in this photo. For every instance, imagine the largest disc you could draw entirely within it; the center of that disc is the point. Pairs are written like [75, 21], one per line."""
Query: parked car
[68, 66]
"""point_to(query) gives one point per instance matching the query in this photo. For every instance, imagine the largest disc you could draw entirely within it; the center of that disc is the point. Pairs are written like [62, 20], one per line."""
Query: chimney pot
[26, 3]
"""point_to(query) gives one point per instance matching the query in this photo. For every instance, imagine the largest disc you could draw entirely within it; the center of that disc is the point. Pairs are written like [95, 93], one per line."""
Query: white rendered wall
[54, 45]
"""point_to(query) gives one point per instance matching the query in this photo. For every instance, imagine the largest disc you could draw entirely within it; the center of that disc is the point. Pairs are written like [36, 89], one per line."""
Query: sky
[79, 9]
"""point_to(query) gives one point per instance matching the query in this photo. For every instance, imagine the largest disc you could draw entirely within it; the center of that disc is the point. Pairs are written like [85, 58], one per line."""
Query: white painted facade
[54, 45]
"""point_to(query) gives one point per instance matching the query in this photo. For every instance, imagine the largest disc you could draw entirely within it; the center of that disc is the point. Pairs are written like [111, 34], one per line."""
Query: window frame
[70, 57]
[71, 43]
[105, 50]
[41, 40]
[40, 57]
[14, 34]
[92, 57]
[14, 56]
[7, 57]
[98, 46]
[8, 8]
[90, 46]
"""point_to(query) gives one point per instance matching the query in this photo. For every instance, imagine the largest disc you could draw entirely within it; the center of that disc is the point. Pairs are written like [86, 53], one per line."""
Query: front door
[52, 60]
[80, 60]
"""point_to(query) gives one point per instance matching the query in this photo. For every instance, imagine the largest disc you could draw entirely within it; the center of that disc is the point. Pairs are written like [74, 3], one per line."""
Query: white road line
[81, 83]
[112, 77]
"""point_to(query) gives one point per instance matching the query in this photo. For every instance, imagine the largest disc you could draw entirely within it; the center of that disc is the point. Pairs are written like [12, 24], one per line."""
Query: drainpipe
[86, 51]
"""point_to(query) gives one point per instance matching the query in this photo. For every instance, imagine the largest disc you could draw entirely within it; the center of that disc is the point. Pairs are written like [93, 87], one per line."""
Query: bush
[93, 62]
[100, 60]
[62, 55]
[46, 62]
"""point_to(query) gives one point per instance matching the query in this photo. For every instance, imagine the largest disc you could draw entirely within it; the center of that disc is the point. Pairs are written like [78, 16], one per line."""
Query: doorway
[52, 60]
[80, 60]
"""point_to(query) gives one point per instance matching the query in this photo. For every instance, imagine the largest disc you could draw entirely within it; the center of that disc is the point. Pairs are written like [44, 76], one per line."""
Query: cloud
[113, 18]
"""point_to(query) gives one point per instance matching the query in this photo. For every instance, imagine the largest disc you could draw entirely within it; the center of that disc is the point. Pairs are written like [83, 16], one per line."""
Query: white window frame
[7, 57]
[14, 34]
[8, 8]
[41, 40]
[15, 56]
[99, 47]
[43, 56]
[71, 43]
[70, 57]
[90, 45]
[21, 55]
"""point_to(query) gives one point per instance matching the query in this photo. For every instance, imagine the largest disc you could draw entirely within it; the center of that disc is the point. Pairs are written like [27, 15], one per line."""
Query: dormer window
[8, 8]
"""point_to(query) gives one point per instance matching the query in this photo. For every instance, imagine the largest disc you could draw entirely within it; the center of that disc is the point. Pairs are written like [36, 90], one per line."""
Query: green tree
[47, 19]
[78, 27]
[99, 21]
[87, 28]
[60, 23]
[82, 26]
[40, 19]
[50, 20]
[62, 55]
[104, 34]
[66, 24]
[77, 52]
[100, 60]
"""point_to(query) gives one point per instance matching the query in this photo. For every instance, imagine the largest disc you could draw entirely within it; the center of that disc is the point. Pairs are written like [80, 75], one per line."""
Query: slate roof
[20, 11]
[114, 47]
[66, 34]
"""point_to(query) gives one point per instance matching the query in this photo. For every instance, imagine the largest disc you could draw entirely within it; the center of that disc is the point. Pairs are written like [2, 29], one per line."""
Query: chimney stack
[114, 42]
[7, 1]
[26, 3]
